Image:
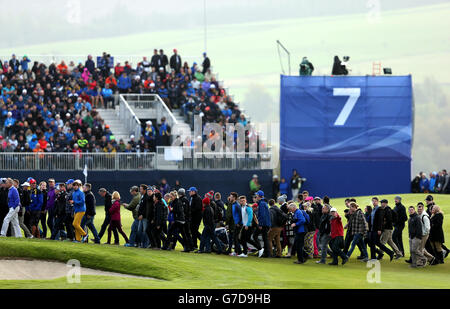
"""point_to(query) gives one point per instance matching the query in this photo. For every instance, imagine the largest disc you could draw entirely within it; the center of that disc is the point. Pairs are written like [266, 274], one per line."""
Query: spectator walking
[337, 238]
[399, 224]
[115, 223]
[133, 206]
[88, 219]
[415, 239]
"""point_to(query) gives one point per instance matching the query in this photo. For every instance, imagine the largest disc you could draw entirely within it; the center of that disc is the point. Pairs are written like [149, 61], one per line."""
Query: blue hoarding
[347, 120]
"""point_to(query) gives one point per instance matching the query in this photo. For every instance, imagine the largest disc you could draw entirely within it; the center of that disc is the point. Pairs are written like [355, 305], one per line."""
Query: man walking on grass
[337, 238]
[415, 238]
[14, 207]
[386, 235]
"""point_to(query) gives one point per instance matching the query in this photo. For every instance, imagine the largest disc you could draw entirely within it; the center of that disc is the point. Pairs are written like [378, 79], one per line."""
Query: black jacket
[25, 199]
[387, 222]
[436, 231]
[414, 227]
[276, 216]
[400, 210]
[186, 208]
[90, 203]
[155, 62]
[177, 210]
[325, 224]
[317, 214]
[159, 213]
[108, 202]
[378, 220]
[206, 64]
[173, 63]
[60, 204]
[44, 199]
[4, 209]
[208, 216]
[196, 207]
[143, 206]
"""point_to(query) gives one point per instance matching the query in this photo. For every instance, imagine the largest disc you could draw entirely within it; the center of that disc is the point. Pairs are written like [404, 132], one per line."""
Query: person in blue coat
[284, 187]
[424, 184]
[243, 218]
[79, 209]
[299, 220]
[124, 83]
[264, 225]
[35, 208]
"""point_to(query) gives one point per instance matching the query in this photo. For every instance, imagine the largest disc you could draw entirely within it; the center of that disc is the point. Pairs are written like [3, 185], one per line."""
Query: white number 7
[354, 94]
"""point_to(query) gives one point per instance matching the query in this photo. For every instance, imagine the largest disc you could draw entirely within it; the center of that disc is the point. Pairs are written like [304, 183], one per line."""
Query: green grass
[180, 270]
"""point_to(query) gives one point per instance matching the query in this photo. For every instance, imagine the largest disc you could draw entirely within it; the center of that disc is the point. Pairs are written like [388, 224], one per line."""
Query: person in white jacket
[426, 225]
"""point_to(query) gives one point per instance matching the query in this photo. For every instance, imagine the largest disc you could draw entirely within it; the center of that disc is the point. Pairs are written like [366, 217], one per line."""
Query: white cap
[149, 122]
[255, 176]
[24, 91]
[67, 115]
[132, 136]
[333, 209]
[25, 184]
[161, 68]
[212, 86]
[9, 114]
[152, 85]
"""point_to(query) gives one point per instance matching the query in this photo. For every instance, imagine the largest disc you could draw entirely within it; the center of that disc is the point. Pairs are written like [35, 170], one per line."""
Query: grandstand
[106, 115]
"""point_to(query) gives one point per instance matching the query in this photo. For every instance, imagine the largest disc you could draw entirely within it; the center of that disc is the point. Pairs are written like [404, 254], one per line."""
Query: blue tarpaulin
[353, 127]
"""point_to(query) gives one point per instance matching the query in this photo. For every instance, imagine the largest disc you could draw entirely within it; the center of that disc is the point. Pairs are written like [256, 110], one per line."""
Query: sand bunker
[19, 269]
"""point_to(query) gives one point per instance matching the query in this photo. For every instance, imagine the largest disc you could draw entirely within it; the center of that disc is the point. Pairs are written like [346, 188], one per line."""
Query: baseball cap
[32, 181]
[317, 198]
[260, 193]
[282, 198]
[193, 189]
[429, 198]
[333, 209]
[181, 191]
[25, 184]
[70, 181]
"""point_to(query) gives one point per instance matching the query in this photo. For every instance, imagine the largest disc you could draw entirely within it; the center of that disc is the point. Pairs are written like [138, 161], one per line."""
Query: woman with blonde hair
[309, 236]
[437, 233]
[116, 223]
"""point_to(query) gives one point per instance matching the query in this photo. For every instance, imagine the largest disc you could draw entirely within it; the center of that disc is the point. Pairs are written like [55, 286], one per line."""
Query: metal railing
[166, 158]
[188, 158]
[81, 58]
[129, 118]
[152, 103]
[77, 161]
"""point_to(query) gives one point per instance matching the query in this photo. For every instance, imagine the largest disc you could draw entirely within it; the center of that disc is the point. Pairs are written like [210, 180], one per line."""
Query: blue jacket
[432, 183]
[124, 83]
[37, 200]
[284, 187]
[263, 214]
[13, 197]
[424, 183]
[237, 214]
[78, 201]
[299, 220]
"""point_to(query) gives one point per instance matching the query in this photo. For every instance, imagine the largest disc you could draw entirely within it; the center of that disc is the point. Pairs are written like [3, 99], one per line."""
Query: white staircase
[117, 127]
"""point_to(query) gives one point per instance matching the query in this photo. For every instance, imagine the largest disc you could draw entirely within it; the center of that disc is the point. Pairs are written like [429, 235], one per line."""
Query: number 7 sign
[354, 94]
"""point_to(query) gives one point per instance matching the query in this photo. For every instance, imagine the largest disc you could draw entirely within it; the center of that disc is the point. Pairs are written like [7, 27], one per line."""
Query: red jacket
[337, 229]
[114, 211]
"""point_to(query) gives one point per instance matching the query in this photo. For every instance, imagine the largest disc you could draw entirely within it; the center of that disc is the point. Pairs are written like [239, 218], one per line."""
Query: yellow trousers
[77, 225]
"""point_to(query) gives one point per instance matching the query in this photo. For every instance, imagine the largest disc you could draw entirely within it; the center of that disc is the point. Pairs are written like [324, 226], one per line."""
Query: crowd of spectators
[54, 108]
[437, 183]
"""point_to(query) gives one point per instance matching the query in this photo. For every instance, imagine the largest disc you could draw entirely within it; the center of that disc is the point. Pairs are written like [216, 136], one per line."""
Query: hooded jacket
[78, 198]
[263, 214]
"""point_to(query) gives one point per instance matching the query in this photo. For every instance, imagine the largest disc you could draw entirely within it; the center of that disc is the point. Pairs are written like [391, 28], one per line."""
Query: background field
[410, 41]
[180, 270]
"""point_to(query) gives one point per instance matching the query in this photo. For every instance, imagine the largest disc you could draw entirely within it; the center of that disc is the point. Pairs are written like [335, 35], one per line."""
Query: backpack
[281, 218]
